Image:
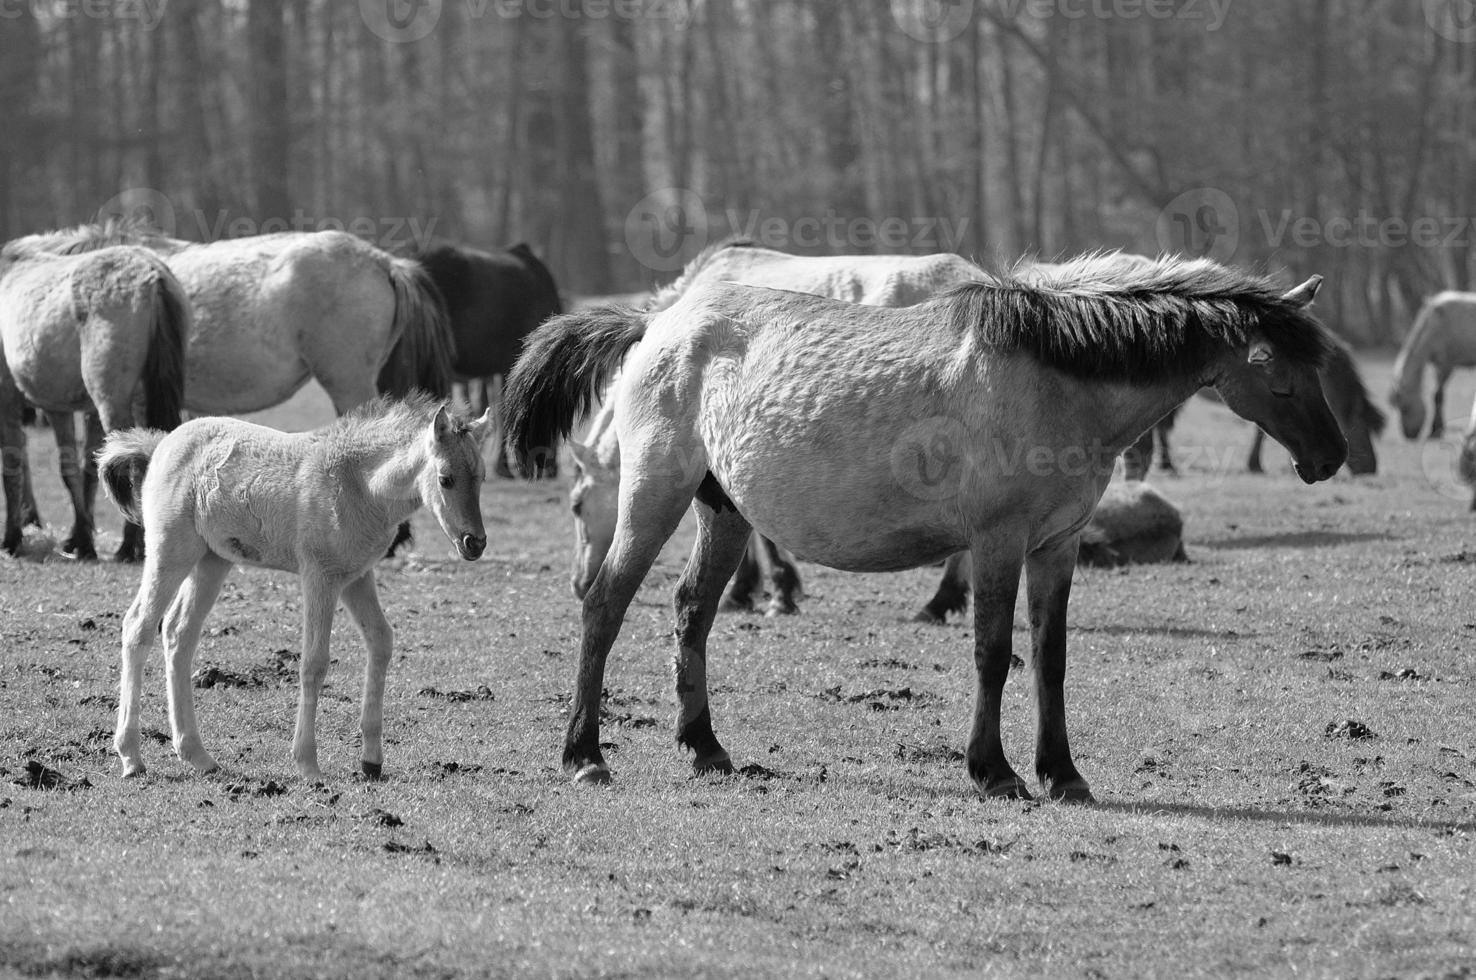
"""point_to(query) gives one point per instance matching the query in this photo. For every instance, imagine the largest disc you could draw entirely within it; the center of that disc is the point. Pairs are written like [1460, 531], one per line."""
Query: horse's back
[493, 300]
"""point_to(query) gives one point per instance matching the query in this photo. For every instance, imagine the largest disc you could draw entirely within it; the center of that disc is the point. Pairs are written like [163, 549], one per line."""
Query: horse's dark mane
[672, 291]
[1099, 317]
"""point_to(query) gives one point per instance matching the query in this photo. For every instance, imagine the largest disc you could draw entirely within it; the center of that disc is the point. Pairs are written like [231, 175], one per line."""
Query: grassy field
[1240, 829]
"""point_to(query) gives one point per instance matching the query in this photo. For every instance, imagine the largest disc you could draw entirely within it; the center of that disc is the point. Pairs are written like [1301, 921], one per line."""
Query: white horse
[873, 280]
[324, 504]
[882, 439]
[1444, 337]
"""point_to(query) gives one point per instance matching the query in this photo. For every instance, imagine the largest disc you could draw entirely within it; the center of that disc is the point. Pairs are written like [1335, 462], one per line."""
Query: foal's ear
[441, 424]
[583, 455]
[482, 427]
[1304, 294]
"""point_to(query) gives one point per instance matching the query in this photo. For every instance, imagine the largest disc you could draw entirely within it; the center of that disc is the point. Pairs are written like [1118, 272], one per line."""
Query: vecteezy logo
[141, 205]
[932, 21]
[666, 228]
[1454, 20]
[930, 458]
[1202, 222]
[400, 21]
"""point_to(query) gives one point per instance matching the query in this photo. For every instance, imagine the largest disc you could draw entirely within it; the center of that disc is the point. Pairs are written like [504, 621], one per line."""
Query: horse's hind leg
[361, 598]
[953, 591]
[181, 639]
[722, 536]
[1048, 587]
[79, 543]
[14, 467]
[164, 572]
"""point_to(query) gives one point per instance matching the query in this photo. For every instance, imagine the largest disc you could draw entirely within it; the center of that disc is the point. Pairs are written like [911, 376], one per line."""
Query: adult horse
[882, 439]
[493, 301]
[875, 280]
[272, 312]
[90, 331]
[1360, 419]
[1444, 337]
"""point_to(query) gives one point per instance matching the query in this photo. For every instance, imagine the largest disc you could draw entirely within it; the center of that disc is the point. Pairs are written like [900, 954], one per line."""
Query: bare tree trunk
[271, 124]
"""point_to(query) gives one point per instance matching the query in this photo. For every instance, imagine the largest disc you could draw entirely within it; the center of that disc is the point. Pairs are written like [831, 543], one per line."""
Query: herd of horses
[870, 413]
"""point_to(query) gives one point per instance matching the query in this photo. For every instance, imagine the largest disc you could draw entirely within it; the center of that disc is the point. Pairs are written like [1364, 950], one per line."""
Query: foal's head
[1283, 395]
[450, 481]
[593, 500]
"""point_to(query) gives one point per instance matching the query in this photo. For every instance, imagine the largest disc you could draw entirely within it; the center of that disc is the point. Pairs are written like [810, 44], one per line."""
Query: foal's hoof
[1008, 789]
[720, 764]
[373, 771]
[593, 774]
[132, 769]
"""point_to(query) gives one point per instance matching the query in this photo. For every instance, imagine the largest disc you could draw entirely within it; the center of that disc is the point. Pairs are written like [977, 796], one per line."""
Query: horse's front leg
[1048, 588]
[181, 639]
[996, 581]
[14, 467]
[361, 598]
[722, 536]
[319, 598]
[1253, 461]
[651, 507]
[1437, 413]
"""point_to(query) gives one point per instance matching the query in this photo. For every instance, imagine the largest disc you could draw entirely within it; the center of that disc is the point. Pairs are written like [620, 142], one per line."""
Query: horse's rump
[420, 358]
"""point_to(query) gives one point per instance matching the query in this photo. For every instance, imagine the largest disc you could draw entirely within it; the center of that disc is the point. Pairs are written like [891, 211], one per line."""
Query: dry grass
[1234, 835]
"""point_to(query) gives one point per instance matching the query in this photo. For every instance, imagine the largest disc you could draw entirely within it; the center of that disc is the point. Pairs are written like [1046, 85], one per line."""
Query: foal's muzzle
[471, 546]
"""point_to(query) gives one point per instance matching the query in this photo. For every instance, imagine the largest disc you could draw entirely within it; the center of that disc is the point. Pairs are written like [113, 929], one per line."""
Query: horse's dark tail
[164, 364]
[122, 464]
[564, 366]
[421, 357]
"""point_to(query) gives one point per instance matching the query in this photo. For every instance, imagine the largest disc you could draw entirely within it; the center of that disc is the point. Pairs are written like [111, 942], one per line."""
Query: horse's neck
[1127, 411]
[1409, 365]
[602, 438]
[393, 480]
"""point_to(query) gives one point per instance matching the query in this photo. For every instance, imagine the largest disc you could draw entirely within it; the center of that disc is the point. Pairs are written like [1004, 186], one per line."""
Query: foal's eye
[447, 482]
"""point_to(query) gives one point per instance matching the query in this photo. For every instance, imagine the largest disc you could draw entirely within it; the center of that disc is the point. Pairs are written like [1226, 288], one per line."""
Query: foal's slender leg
[319, 601]
[1048, 588]
[168, 564]
[181, 639]
[953, 591]
[996, 582]
[361, 598]
[650, 510]
[79, 543]
[722, 536]
[784, 580]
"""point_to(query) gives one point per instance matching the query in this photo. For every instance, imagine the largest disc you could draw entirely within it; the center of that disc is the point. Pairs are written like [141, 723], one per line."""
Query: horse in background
[493, 301]
[874, 280]
[88, 331]
[272, 312]
[334, 497]
[1359, 417]
[1444, 337]
[821, 423]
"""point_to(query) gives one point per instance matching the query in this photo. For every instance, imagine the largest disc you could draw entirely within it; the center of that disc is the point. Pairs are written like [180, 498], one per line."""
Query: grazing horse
[493, 301]
[273, 311]
[323, 504]
[882, 439]
[1360, 419]
[873, 280]
[1443, 336]
[89, 331]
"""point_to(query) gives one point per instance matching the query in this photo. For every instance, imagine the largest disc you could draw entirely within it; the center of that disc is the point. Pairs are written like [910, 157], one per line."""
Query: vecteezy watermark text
[405, 21]
[835, 231]
[147, 13]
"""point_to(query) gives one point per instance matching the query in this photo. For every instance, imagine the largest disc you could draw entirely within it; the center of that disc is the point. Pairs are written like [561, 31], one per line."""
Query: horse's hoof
[1075, 791]
[780, 608]
[372, 770]
[926, 615]
[132, 769]
[721, 765]
[1009, 789]
[593, 774]
[731, 605]
[128, 556]
[83, 551]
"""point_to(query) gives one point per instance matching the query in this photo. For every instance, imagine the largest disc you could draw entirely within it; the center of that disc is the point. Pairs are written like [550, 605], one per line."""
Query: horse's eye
[447, 482]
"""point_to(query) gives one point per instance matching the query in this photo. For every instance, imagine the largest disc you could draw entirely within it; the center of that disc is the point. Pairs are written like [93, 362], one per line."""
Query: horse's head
[450, 482]
[1409, 402]
[593, 500]
[1284, 397]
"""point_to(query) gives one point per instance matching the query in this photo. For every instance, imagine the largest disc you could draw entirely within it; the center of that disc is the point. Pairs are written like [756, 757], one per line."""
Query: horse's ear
[1304, 294]
[1260, 353]
[583, 455]
[441, 424]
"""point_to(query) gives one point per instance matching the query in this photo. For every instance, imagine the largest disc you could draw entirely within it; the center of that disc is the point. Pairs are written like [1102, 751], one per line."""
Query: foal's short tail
[121, 465]
[421, 358]
[164, 364]
[564, 366]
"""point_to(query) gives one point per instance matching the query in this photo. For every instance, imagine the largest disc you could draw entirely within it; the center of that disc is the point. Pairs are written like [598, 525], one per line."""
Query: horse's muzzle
[471, 546]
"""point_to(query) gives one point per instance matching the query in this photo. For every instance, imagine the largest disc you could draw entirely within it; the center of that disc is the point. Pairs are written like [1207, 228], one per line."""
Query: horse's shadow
[1178, 632]
[1310, 817]
[1296, 539]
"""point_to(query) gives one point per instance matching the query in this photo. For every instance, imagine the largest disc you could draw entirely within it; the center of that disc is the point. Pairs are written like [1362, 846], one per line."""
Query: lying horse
[88, 331]
[324, 504]
[882, 439]
[1443, 336]
[873, 280]
[493, 301]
